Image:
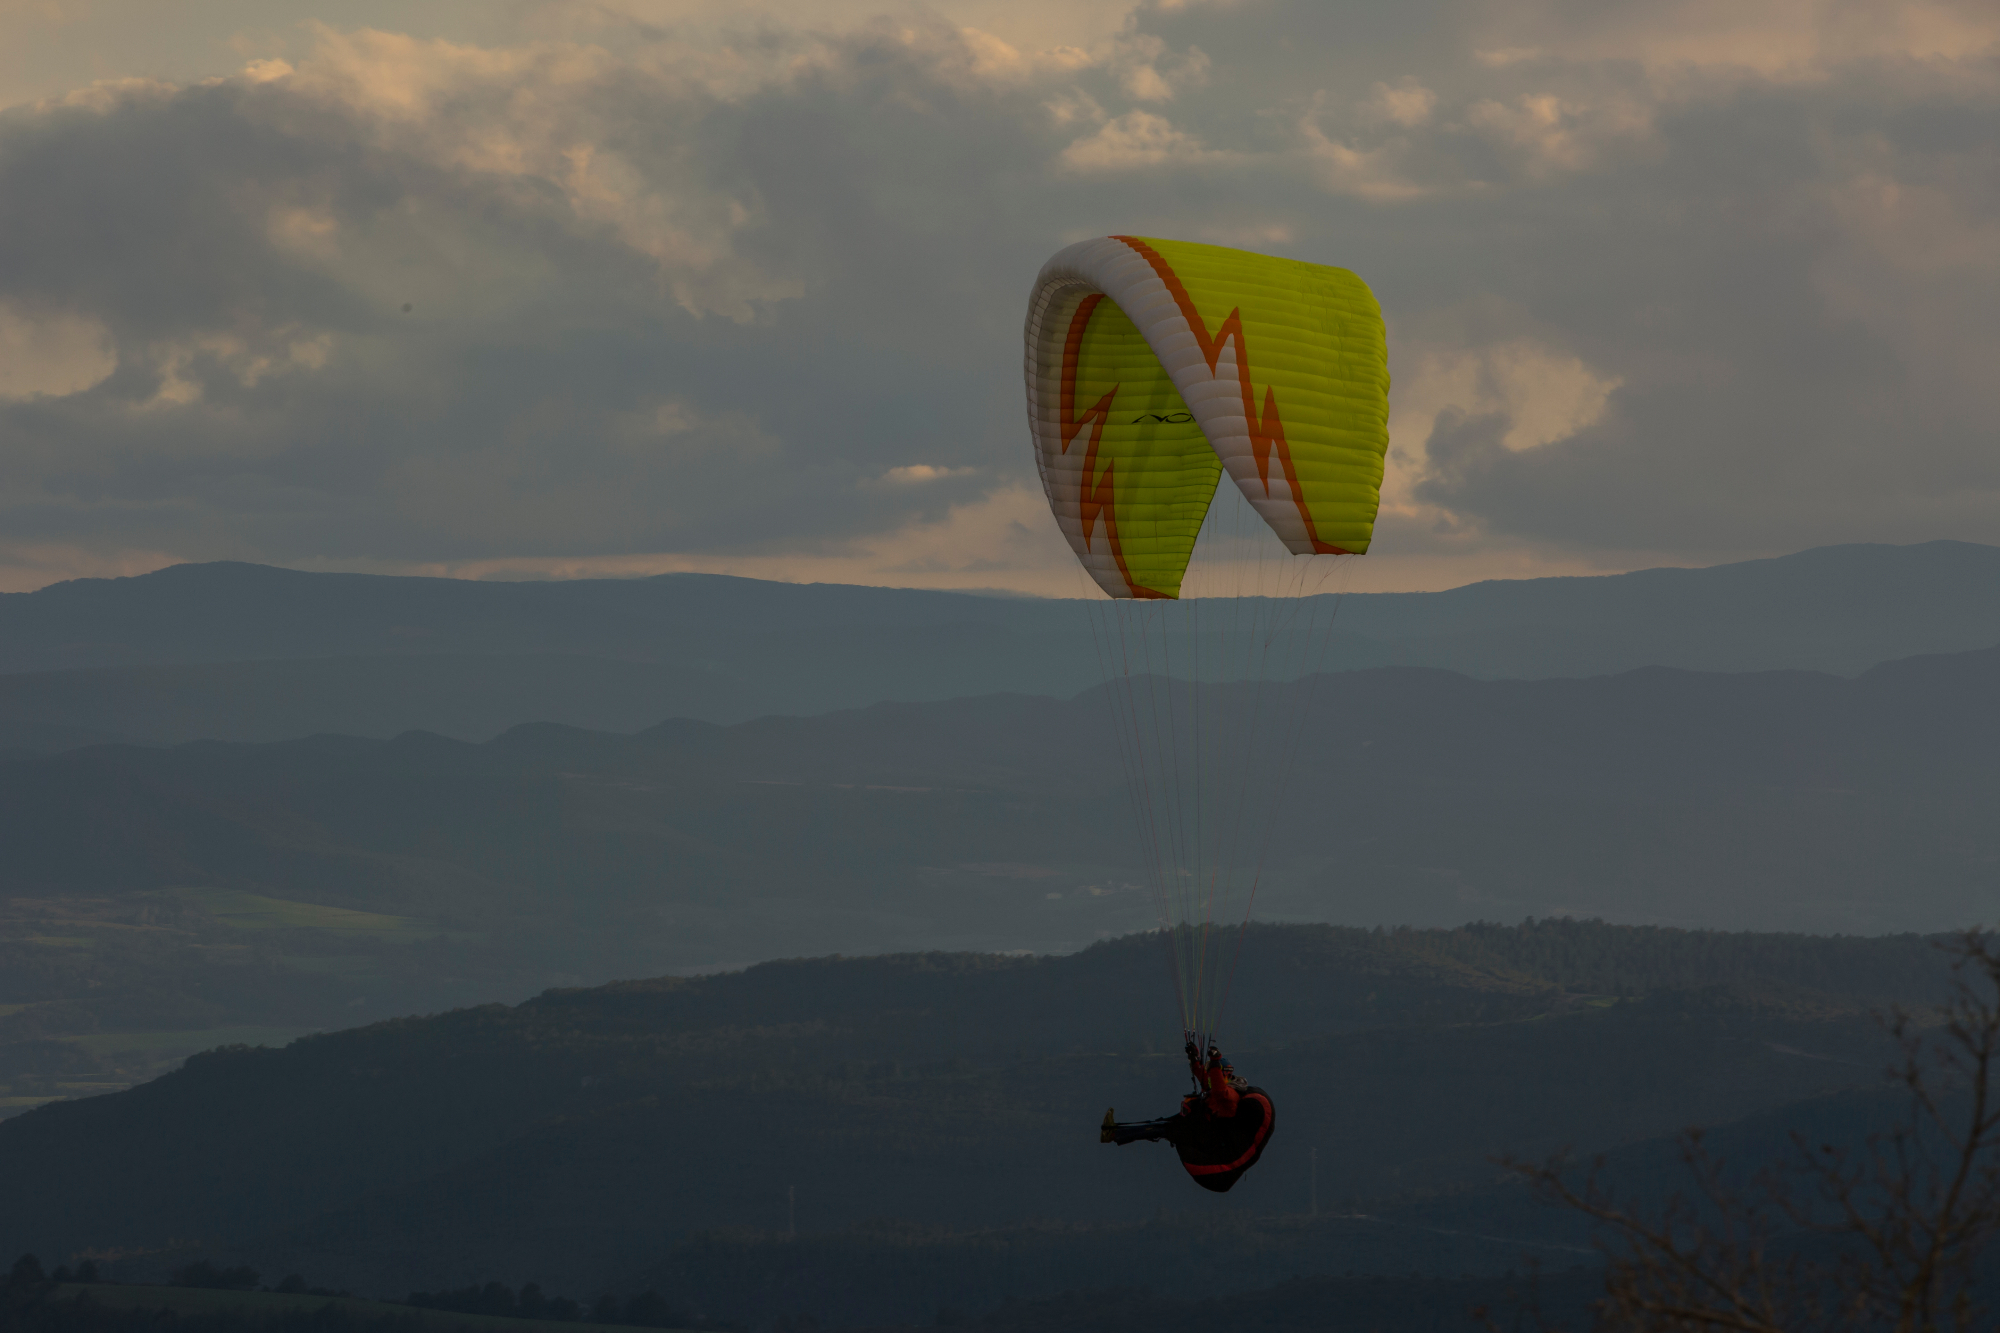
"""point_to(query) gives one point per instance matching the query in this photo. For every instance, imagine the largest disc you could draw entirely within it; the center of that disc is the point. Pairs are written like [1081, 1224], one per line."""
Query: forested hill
[246, 652]
[581, 1137]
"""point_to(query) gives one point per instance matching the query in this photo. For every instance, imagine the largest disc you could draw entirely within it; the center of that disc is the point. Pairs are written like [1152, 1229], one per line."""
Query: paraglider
[1220, 1130]
[1153, 367]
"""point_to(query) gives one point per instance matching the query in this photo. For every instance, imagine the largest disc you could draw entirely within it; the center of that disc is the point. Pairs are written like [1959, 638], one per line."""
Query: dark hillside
[578, 1137]
[1338, 1305]
[1178, 1273]
[1318, 1305]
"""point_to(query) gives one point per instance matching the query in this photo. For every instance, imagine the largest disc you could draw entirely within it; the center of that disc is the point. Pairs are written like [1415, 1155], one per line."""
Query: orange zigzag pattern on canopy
[1267, 430]
[1098, 492]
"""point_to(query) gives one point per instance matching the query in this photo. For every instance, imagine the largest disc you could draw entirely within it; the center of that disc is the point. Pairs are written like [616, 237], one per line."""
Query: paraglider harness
[1221, 1128]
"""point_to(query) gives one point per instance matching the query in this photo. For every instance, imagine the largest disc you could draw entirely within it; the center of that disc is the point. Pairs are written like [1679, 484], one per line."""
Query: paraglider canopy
[1154, 365]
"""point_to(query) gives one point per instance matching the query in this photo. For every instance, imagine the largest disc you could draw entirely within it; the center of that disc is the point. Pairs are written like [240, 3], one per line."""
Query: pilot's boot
[1141, 1131]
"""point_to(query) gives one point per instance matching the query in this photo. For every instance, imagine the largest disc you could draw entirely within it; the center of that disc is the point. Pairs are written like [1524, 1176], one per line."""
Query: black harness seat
[1217, 1150]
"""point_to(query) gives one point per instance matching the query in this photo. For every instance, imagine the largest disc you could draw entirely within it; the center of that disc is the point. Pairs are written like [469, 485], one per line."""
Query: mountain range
[248, 809]
[1774, 800]
[247, 652]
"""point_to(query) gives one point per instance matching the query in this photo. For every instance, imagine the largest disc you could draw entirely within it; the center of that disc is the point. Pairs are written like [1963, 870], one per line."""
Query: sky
[561, 288]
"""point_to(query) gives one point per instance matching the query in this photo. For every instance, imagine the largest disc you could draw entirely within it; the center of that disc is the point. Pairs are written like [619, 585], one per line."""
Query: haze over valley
[171, 897]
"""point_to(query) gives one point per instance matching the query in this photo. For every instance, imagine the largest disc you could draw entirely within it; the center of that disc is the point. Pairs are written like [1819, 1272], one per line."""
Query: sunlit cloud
[52, 354]
[1135, 140]
[632, 285]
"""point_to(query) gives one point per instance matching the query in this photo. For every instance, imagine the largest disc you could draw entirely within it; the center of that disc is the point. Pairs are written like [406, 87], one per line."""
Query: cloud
[1555, 134]
[997, 541]
[52, 355]
[1134, 140]
[918, 474]
[1405, 102]
[1148, 71]
[652, 285]
[1540, 394]
[1777, 40]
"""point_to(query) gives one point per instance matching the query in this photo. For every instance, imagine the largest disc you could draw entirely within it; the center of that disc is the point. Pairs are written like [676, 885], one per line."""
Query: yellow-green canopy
[1152, 365]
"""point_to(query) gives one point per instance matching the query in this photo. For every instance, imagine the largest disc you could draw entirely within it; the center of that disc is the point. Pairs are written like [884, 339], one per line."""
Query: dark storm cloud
[544, 394]
[1761, 406]
[667, 299]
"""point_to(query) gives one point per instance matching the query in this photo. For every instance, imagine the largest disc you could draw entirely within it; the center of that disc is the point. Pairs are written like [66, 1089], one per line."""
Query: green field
[251, 911]
[11, 1105]
[196, 1300]
[167, 1045]
[360, 966]
[212, 967]
[126, 1058]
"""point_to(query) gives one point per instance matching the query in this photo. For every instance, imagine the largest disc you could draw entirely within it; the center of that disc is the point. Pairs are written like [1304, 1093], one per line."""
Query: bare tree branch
[1905, 1217]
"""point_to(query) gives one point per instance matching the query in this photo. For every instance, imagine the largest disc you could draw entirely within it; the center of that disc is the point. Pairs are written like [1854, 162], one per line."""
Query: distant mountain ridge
[1790, 800]
[143, 659]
